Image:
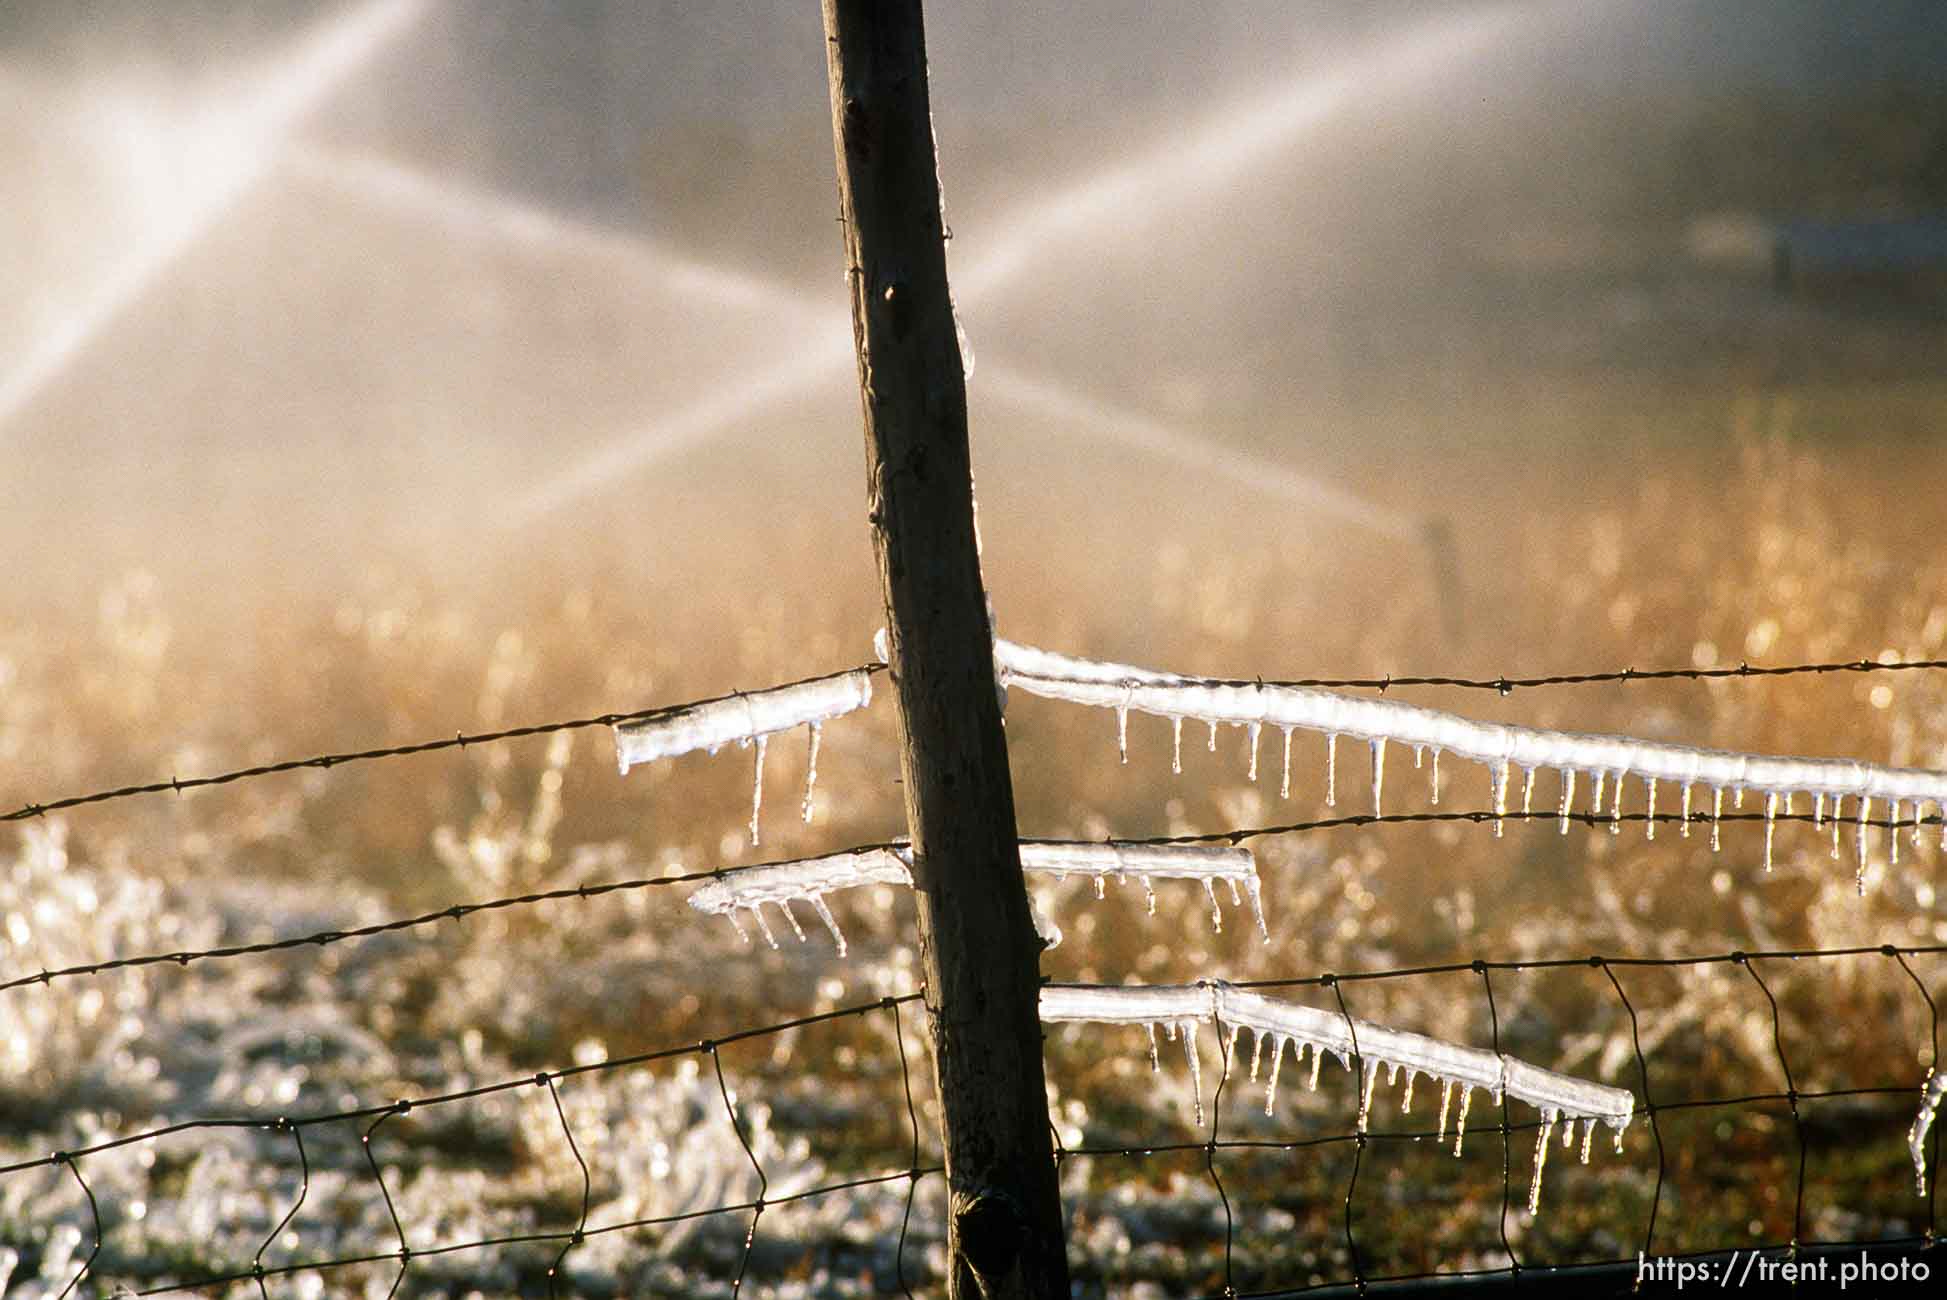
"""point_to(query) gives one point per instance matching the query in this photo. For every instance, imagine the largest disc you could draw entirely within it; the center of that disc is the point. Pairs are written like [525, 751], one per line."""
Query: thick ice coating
[741, 718]
[1559, 1097]
[1501, 747]
[1916, 1137]
[808, 880]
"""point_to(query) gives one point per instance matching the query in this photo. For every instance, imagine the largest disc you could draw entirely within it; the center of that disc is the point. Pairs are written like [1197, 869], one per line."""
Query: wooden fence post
[980, 954]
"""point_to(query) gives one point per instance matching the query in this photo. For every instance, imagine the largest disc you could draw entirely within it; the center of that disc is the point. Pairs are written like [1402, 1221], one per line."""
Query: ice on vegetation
[1560, 1098]
[808, 880]
[747, 719]
[1916, 1138]
[1500, 747]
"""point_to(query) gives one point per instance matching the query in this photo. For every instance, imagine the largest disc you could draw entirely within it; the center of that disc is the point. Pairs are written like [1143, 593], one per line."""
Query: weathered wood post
[979, 951]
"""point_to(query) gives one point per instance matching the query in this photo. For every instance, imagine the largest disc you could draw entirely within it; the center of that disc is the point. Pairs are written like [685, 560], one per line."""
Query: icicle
[1378, 771]
[1213, 736]
[1252, 729]
[1318, 1031]
[1527, 790]
[1216, 912]
[1101, 889]
[1122, 727]
[1332, 770]
[1271, 1079]
[1436, 776]
[1257, 1052]
[1615, 806]
[1541, 1159]
[1588, 1137]
[817, 902]
[1155, 1061]
[1770, 825]
[1460, 1120]
[1196, 1067]
[1149, 895]
[1838, 810]
[757, 910]
[1716, 815]
[1737, 799]
[1176, 746]
[784, 906]
[1568, 795]
[1595, 792]
[1164, 694]
[1919, 816]
[1893, 834]
[1859, 843]
[1649, 821]
[1686, 810]
[1406, 1099]
[757, 788]
[1498, 779]
[1818, 808]
[815, 730]
[738, 926]
[1284, 787]
[1916, 1136]
[1419, 757]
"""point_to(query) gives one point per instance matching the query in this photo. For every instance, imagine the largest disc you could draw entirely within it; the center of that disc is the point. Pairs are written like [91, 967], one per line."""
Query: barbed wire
[1235, 835]
[1216, 1142]
[1516, 1270]
[326, 762]
[1506, 685]
[1502, 684]
[325, 938]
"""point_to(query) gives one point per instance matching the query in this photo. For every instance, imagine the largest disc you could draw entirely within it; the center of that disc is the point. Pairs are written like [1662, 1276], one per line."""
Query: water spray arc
[1223, 144]
[231, 151]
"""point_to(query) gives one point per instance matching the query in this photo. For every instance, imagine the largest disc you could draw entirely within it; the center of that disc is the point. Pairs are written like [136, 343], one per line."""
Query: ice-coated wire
[1210, 1145]
[325, 762]
[1498, 745]
[1930, 1094]
[1503, 685]
[744, 717]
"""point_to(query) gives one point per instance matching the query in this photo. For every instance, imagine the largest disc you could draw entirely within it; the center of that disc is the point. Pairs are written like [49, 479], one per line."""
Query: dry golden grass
[1758, 548]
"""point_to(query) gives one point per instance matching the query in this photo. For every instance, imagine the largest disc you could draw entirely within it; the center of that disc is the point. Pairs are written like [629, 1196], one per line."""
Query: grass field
[1766, 544]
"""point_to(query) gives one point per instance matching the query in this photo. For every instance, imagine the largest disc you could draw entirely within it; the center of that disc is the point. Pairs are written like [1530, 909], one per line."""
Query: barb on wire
[326, 762]
[325, 938]
[460, 911]
[1501, 684]
[1506, 685]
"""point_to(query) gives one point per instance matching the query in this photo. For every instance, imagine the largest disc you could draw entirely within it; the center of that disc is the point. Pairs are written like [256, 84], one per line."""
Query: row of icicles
[1778, 803]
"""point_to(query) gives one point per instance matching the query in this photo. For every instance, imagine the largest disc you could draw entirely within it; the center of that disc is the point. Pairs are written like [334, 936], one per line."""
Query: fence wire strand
[258, 1271]
[1214, 1144]
[1503, 685]
[325, 762]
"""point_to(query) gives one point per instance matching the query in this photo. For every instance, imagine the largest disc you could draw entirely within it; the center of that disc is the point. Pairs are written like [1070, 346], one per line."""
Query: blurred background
[376, 370]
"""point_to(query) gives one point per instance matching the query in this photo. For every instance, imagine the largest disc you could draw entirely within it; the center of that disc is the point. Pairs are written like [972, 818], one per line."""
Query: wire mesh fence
[1333, 1194]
